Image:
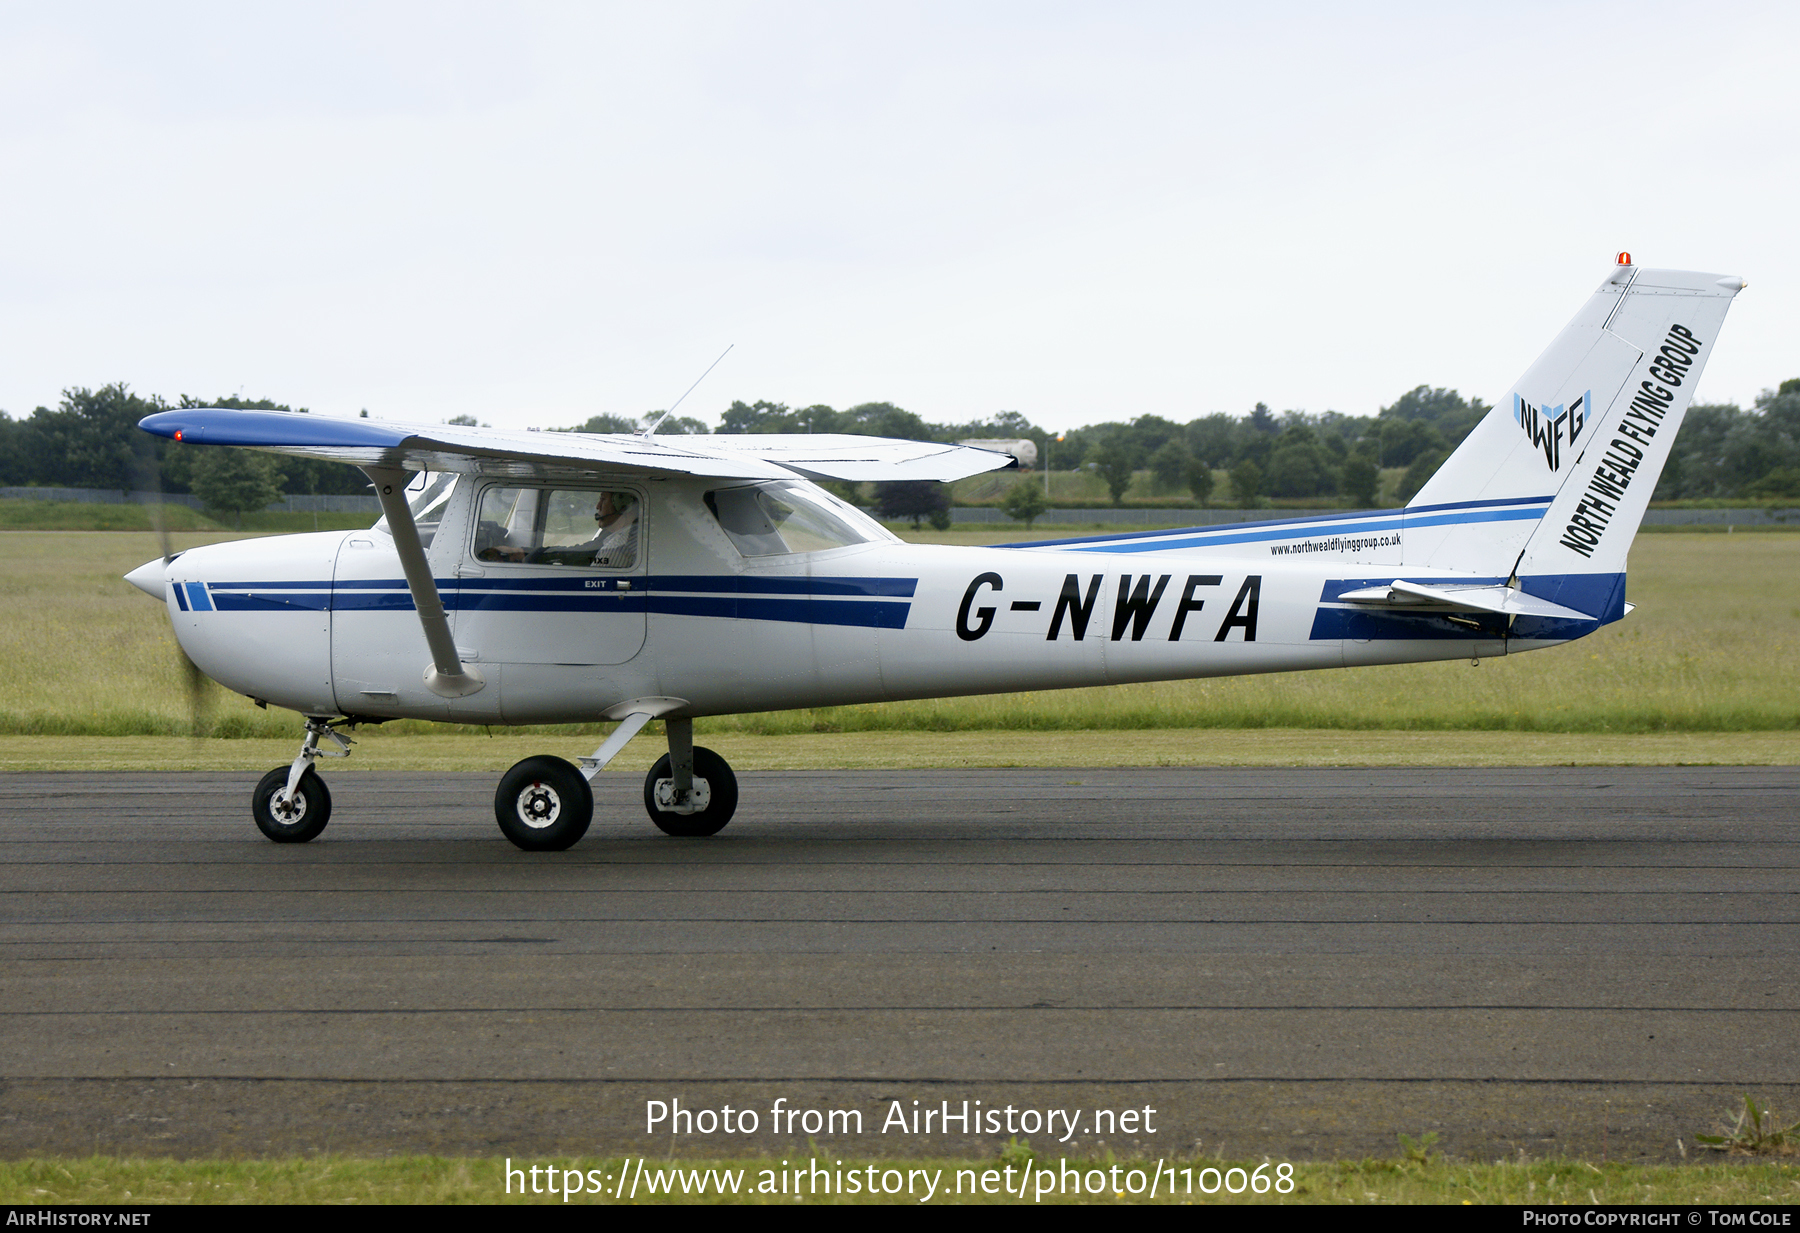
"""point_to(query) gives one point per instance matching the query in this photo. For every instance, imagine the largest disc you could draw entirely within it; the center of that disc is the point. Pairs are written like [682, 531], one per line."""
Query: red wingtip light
[178, 434]
[1623, 259]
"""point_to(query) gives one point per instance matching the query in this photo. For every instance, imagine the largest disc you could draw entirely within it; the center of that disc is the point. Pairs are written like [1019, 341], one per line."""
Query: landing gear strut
[292, 804]
[691, 790]
[544, 804]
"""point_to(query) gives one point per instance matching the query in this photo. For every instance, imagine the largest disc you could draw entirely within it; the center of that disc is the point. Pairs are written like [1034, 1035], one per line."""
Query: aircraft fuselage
[324, 624]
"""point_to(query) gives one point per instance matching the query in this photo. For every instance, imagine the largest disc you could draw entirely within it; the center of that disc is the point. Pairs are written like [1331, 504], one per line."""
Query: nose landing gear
[292, 804]
[294, 816]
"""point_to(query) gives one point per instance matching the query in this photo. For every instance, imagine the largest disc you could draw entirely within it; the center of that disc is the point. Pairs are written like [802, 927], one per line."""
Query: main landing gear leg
[545, 804]
[292, 804]
[691, 790]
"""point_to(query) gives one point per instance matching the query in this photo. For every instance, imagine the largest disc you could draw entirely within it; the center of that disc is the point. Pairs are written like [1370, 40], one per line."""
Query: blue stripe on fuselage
[1505, 510]
[750, 585]
[859, 602]
[804, 610]
[263, 601]
[1301, 531]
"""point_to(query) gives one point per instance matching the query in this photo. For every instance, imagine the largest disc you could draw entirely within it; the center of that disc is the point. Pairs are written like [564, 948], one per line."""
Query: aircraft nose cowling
[151, 578]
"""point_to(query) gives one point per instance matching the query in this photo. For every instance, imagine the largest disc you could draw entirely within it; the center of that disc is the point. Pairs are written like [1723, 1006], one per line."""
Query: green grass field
[494, 751]
[22, 515]
[1714, 647]
[1702, 671]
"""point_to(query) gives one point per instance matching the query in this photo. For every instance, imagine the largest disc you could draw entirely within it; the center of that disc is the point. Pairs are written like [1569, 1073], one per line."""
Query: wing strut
[448, 676]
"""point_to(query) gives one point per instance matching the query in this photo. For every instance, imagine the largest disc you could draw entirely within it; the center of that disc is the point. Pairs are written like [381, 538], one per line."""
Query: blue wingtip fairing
[270, 429]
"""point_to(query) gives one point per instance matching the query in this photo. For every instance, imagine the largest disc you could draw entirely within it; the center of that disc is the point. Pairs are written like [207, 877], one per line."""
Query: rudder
[1573, 455]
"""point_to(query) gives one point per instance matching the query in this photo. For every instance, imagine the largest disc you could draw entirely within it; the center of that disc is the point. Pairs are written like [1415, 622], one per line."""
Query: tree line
[1292, 454]
[1723, 451]
[90, 440]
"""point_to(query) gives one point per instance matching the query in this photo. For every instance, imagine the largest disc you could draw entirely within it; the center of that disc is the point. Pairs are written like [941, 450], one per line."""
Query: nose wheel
[291, 817]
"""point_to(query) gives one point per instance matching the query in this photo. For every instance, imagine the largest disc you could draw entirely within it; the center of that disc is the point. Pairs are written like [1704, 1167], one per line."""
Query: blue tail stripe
[1212, 533]
[1300, 531]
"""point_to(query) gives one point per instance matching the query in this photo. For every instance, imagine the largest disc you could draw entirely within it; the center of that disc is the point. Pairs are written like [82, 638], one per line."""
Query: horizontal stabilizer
[1508, 601]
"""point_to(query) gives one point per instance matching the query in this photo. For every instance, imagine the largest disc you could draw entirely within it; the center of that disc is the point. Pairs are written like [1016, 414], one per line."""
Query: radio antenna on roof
[651, 426]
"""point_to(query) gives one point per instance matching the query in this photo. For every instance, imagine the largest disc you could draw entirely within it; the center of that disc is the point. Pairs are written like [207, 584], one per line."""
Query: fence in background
[353, 504]
[1141, 517]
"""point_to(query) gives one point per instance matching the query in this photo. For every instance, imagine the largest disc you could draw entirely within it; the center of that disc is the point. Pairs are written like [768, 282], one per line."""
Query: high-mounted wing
[387, 452]
[494, 451]
[836, 456]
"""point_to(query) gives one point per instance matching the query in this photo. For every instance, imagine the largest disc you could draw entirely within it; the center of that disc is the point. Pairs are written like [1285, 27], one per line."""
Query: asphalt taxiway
[1295, 963]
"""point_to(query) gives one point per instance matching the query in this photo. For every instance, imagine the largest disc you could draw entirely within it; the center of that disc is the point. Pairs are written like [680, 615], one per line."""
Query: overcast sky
[533, 213]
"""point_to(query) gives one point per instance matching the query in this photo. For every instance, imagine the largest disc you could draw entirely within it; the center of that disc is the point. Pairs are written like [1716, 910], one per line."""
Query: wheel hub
[288, 807]
[696, 801]
[539, 806]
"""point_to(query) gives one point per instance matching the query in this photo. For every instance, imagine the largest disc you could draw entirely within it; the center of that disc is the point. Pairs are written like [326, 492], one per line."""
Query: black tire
[543, 804]
[300, 821]
[709, 821]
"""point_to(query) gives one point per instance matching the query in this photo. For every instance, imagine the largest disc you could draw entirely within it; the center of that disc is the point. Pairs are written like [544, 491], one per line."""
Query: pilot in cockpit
[614, 545]
[615, 539]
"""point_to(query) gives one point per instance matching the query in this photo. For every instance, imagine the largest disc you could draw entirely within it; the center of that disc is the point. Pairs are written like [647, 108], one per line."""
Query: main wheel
[544, 804]
[296, 820]
[719, 780]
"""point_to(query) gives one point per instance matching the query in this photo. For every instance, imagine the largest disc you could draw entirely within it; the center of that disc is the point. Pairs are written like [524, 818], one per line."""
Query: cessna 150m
[529, 578]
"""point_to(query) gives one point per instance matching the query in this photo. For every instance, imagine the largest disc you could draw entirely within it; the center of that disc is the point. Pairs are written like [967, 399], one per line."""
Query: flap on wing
[836, 456]
[443, 447]
[1509, 601]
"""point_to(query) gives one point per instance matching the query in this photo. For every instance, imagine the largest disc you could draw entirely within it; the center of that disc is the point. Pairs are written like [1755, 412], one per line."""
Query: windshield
[427, 493]
[784, 517]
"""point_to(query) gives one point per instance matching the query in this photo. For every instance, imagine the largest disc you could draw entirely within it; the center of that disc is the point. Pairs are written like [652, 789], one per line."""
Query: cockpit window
[558, 526]
[784, 517]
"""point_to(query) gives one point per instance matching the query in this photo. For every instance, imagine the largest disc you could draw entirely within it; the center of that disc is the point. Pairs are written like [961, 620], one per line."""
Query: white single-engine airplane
[531, 578]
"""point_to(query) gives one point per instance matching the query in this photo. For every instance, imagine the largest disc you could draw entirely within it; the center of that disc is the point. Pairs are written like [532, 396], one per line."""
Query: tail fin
[1550, 487]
